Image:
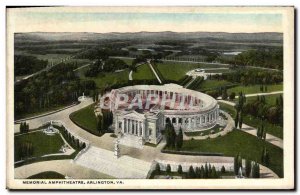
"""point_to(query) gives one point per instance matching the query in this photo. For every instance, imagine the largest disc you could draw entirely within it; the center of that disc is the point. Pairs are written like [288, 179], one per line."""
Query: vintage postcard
[150, 98]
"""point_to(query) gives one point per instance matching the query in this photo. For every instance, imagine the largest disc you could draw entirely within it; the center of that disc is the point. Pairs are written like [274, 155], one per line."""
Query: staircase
[105, 162]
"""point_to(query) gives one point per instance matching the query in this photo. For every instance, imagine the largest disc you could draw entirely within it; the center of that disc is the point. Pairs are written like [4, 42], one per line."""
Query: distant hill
[155, 36]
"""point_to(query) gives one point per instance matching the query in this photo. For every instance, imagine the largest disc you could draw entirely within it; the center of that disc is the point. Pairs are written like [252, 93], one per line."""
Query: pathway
[188, 84]
[156, 75]
[269, 138]
[252, 130]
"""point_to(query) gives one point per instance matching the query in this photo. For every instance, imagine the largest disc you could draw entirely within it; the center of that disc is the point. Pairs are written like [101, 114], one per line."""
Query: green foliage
[25, 65]
[265, 158]
[179, 170]
[269, 58]
[179, 140]
[168, 169]
[223, 169]
[170, 135]
[56, 87]
[191, 172]
[24, 127]
[248, 167]
[232, 96]
[157, 168]
[255, 170]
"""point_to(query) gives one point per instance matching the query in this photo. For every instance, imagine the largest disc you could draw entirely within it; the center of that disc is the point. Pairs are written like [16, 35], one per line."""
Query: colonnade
[193, 121]
[132, 127]
[170, 95]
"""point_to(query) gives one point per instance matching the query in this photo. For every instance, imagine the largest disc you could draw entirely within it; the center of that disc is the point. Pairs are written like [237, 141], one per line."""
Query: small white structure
[240, 174]
[81, 98]
[50, 130]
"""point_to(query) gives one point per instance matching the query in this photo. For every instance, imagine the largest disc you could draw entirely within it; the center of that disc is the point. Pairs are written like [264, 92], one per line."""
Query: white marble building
[147, 108]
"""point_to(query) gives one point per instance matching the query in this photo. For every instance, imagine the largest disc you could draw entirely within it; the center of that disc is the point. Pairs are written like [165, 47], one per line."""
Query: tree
[168, 169]
[179, 170]
[237, 163]
[265, 158]
[99, 124]
[198, 172]
[232, 96]
[191, 173]
[205, 171]
[202, 171]
[157, 168]
[224, 94]
[214, 172]
[179, 139]
[236, 120]
[255, 170]
[241, 120]
[248, 168]
[223, 169]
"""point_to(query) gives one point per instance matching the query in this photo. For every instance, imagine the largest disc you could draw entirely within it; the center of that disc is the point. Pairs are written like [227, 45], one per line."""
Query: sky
[104, 22]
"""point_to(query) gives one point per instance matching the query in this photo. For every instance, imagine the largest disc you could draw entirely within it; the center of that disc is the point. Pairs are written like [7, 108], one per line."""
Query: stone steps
[104, 161]
[131, 141]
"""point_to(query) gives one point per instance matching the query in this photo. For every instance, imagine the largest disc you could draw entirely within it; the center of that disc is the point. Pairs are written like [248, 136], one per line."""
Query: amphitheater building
[155, 105]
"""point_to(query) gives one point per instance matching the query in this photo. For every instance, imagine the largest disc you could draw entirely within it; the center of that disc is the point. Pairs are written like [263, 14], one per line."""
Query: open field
[143, 73]
[42, 144]
[236, 142]
[213, 84]
[86, 119]
[176, 70]
[255, 89]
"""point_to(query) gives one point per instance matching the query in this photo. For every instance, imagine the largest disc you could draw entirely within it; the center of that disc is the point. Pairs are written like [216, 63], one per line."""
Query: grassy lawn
[86, 119]
[143, 73]
[175, 70]
[42, 144]
[105, 79]
[236, 142]
[270, 99]
[213, 84]
[47, 175]
[272, 129]
[219, 71]
[255, 89]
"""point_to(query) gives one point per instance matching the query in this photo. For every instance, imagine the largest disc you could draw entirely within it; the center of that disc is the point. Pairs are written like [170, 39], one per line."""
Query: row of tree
[251, 167]
[265, 111]
[203, 172]
[58, 86]
[24, 127]
[251, 77]
[73, 141]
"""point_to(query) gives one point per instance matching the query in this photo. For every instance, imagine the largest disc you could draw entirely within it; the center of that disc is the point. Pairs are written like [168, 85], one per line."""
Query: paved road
[130, 76]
